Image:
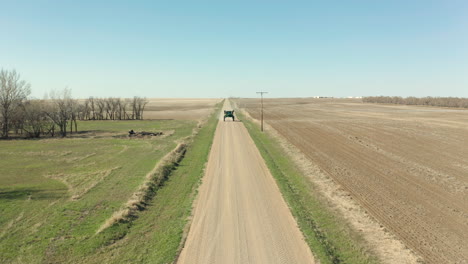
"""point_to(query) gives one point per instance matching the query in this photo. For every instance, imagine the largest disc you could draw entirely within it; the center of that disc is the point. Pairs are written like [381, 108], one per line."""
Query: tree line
[429, 101]
[59, 112]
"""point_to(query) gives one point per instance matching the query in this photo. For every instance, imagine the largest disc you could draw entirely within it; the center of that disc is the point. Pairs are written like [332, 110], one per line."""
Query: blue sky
[235, 48]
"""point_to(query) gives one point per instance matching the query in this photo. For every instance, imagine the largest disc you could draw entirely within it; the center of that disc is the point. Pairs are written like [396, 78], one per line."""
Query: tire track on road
[240, 215]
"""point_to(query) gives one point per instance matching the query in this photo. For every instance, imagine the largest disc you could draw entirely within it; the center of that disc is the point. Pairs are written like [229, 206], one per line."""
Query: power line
[261, 95]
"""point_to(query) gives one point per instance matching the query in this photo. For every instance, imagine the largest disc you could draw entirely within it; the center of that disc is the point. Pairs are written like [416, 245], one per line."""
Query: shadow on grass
[33, 194]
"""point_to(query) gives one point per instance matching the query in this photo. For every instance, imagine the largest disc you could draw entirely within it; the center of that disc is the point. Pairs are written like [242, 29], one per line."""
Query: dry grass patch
[154, 179]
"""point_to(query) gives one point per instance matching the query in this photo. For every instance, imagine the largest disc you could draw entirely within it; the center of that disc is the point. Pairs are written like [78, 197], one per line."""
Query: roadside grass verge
[56, 193]
[328, 235]
[157, 234]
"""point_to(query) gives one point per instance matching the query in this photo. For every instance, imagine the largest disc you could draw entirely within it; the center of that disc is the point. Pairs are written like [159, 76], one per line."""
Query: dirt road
[240, 215]
[405, 165]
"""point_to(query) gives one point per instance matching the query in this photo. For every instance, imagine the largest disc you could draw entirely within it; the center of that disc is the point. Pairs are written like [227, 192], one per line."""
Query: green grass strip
[328, 235]
[156, 236]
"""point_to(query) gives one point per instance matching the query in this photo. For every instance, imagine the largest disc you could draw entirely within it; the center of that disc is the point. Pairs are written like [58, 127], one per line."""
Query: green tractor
[228, 114]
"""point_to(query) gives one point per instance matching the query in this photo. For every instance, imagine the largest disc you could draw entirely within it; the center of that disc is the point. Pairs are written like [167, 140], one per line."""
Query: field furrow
[404, 165]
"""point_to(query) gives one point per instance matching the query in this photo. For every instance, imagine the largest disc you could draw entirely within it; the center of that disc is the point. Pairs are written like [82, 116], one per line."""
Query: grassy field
[56, 193]
[328, 236]
[156, 235]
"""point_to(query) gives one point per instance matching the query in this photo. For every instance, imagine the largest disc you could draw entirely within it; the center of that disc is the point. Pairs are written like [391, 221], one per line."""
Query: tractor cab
[229, 114]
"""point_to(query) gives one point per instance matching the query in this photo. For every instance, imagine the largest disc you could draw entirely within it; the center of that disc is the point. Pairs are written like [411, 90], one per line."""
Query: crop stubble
[179, 108]
[405, 165]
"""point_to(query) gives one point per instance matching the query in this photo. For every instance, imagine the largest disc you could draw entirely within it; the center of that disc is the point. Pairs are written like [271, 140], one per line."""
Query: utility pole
[261, 95]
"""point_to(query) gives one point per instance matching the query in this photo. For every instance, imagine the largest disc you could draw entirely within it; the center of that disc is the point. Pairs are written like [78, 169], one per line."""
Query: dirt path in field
[240, 215]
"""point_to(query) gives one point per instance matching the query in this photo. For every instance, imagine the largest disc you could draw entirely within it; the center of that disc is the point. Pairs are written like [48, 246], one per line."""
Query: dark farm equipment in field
[228, 114]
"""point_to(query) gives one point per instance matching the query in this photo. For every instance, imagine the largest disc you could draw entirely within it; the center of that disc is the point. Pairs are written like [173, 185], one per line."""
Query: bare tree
[125, 105]
[73, 114]
[35, 119]
[101, 105]
[118, 108]
[111, 108]
[17, 120]
[141, 106]
[84, 110]
[13, 92]
[108, 107]
[60, 109]
[92, 107]
[138, 106]
[115, 107]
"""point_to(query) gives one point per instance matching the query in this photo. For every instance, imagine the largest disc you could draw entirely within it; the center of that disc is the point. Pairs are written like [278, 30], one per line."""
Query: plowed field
[179, 108]
[406, 165]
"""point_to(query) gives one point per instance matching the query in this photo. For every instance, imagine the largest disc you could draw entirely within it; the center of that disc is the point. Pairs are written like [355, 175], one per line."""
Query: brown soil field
[179, 108]
[407, 166]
